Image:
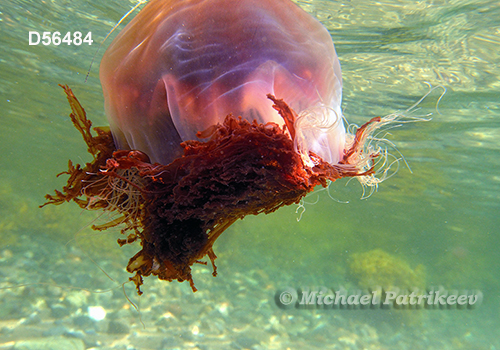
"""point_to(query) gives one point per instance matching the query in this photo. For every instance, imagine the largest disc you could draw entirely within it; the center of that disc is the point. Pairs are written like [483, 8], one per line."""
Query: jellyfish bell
[180, 67]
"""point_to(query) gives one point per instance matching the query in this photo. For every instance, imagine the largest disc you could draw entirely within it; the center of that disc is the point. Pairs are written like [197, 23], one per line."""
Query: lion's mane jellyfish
[218, 109]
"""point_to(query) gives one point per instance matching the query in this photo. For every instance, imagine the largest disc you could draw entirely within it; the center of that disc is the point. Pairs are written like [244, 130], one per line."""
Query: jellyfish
[218, 109]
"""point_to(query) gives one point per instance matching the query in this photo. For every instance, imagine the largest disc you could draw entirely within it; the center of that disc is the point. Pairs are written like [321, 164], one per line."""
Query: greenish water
[444, 215]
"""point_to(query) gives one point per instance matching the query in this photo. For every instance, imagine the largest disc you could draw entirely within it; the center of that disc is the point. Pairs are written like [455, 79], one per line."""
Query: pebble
[83, 322]
[32, 319]
[117, 327]
[55, 330]
[244, 342]
[51, 343]
[59, 311]
[96, 313]
[76, 299]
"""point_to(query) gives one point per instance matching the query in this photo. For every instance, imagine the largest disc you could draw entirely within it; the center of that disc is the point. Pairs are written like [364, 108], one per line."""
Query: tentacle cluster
[178, 210]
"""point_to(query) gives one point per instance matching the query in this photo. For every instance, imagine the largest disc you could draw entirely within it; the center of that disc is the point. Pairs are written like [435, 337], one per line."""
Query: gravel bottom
[43, 306]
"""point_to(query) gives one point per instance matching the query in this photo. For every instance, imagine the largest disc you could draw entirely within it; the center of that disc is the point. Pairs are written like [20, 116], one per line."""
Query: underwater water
[62, 285]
